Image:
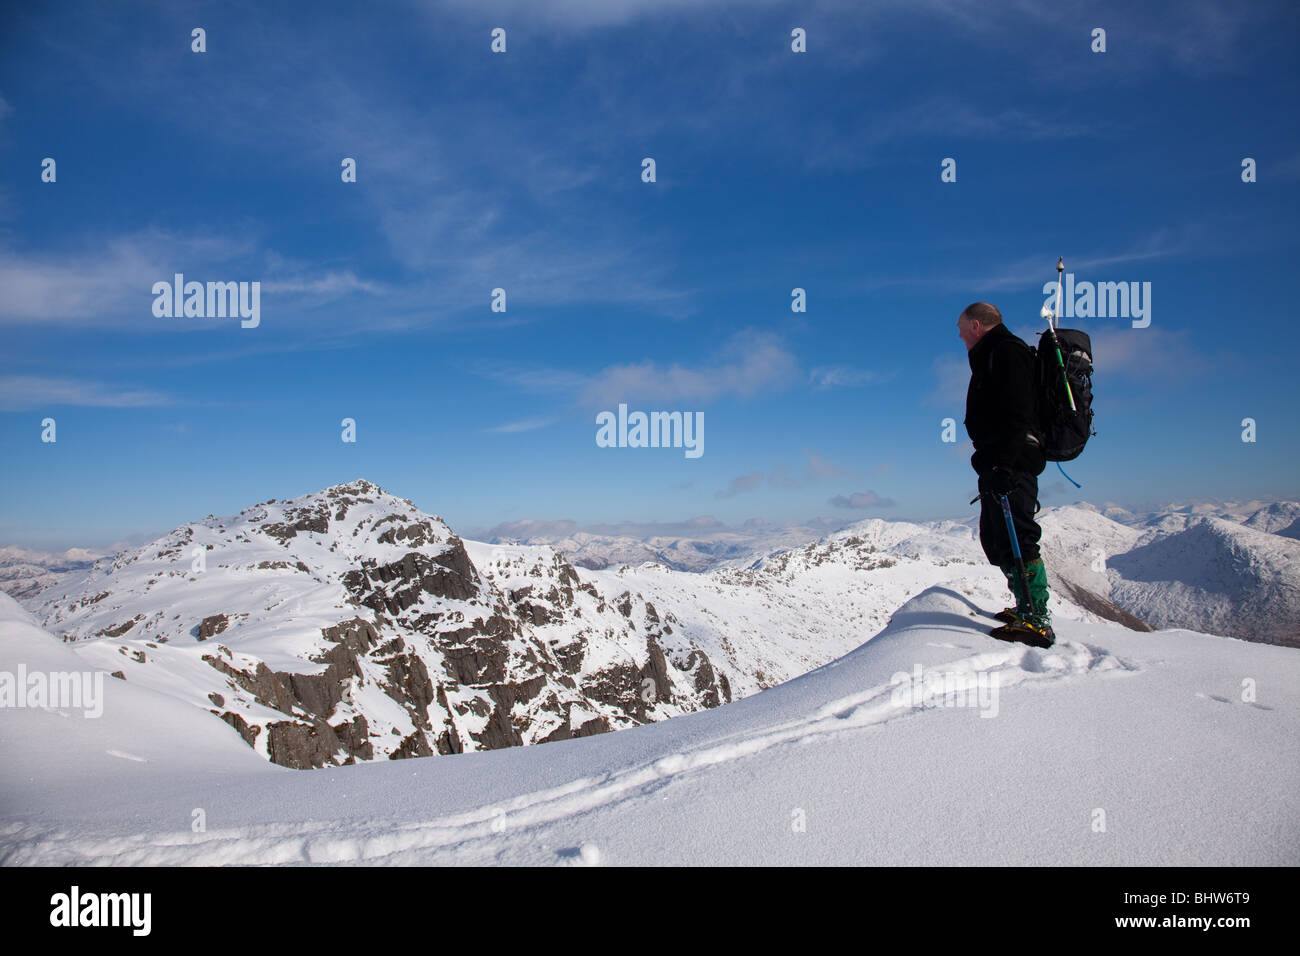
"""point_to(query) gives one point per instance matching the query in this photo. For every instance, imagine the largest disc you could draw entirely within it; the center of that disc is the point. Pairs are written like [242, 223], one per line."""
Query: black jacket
[1001, 404]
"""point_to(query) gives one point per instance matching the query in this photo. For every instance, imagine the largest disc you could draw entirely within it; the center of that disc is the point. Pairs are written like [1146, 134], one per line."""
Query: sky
[522, 170]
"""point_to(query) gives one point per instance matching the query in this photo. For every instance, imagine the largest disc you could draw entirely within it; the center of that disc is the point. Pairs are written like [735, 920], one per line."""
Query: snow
[1155, 731]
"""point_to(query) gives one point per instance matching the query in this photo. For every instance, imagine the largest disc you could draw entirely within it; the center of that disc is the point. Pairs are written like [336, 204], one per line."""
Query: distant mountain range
[25, 573]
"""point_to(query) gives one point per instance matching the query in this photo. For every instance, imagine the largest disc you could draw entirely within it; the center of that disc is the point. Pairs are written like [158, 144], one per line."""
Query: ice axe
[1022, 599]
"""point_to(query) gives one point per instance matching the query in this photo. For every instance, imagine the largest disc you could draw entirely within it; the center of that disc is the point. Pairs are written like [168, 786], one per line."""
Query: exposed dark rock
[570, 655]
[302, 746]
[409, 684]
[417, 535]
[246, 730]
[392, 588]
[656, 668]
[355, 737]
[414, 745]
[121, 629]
[499, 732]
[213, 625]
[535, 614]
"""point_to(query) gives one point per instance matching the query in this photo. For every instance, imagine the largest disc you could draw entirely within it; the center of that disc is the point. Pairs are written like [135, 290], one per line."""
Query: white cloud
[583, 14]
[843, 377]
[861, 499]
[526, 425]
[114, 278]
[750, 363]
[23, 392]
[741, 484]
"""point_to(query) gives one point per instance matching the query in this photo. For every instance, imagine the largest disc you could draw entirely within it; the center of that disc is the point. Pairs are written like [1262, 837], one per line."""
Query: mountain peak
[358, 486]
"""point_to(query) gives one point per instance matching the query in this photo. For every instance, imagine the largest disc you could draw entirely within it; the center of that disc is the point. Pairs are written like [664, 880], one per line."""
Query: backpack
[1065, 431]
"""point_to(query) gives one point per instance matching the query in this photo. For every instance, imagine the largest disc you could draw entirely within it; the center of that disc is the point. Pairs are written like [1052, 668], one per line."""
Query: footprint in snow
[1032, 662]
[586, 855]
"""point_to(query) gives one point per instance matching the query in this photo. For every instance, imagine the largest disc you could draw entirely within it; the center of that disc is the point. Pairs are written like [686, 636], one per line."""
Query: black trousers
[1023, 499]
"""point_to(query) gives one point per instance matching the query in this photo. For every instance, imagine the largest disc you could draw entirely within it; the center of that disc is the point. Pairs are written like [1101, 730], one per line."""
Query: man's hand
[999, 481]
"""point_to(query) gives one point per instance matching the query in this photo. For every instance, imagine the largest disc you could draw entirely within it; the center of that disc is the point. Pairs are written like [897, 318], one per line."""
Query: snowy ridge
[843, 765]
[347, 625]
[1086, 549]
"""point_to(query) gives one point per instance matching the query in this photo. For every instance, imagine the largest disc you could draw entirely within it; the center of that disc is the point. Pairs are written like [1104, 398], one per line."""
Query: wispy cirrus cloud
[590, 14]
[112, 278]
[25, 392]
[1034, 269]
[98, 280]
[525, 425]
[749, 363]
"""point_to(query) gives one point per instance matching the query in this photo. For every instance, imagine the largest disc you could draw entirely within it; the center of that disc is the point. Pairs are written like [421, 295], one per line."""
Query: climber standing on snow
[1001, 417]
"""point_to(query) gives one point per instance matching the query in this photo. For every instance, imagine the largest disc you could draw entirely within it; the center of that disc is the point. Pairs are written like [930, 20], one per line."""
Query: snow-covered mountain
[1246, 588]
[1184, 569]
[347, 625]
[1226, 577]
[929, 744]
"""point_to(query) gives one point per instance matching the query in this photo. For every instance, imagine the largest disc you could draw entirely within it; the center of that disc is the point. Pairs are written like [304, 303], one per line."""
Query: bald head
[975, 320]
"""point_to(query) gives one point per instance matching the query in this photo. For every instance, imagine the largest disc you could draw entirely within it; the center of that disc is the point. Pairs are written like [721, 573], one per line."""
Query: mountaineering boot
[1025, 633]
[1029, 622]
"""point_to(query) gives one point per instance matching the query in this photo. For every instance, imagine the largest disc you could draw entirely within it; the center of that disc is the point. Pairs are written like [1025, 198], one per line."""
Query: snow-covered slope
[1175, 569]
[1115, 747]
[348, 625]
[1230, 578]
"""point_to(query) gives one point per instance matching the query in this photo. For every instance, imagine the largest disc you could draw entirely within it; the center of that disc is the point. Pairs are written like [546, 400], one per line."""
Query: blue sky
[522, 170]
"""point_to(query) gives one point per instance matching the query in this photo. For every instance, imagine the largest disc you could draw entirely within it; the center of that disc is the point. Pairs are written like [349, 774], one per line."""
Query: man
[1001, 420]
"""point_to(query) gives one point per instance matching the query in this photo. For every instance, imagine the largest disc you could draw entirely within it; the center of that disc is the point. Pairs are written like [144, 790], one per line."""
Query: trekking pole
[1051, 330]
[1020, 562]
